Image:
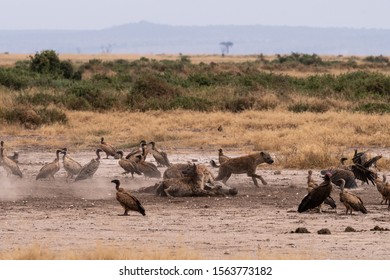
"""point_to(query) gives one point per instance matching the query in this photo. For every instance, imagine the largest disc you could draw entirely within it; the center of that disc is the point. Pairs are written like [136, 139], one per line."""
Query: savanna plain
[307, 115]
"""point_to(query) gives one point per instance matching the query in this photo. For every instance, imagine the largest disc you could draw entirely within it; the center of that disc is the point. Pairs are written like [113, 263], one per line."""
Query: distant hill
[149, 38]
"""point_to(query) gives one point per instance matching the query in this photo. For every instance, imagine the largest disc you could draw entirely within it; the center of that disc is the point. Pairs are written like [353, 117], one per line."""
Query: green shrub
[304, 59]
[240, 104]
[190, 103]
[87, 95]
[301, 107]
[377, 59]
[73, 102]
[14, 79]
[373, 108]
[39, 98]
[153, 86]
[66, 69]
[45, 62]
[201, 79]
[53, 115]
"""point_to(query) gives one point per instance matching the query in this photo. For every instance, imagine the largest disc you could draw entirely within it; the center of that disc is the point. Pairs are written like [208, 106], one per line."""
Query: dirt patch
[256, 223]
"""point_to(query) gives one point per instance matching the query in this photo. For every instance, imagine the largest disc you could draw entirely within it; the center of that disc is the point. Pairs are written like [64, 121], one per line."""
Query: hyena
[175, 171]
[192, 184]
[243, 164]
[209, 183]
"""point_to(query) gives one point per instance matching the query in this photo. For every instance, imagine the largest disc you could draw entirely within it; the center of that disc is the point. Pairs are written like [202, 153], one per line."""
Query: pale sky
[98, 14]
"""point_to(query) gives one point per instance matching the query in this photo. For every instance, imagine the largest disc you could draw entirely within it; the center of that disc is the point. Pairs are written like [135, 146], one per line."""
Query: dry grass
[7, 59]
[10, 59]
[100, 252]
[299, 140]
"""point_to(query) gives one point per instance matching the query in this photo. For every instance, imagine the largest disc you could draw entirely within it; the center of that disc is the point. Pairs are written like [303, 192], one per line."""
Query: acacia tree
[225, 47]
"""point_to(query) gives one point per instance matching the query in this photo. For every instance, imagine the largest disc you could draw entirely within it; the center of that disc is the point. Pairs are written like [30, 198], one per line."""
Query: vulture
[383, 188]
[136, 151]
[129, 165]
[311, 184]
[350, 173]
[49, 169]
[88, 170]
[147, 168]
[359, 157]
[127, 201]
[317, 195]
[107, 148]
[160, 156]
[362, 159]
[10, 166]
[71, 166]
[350, 200]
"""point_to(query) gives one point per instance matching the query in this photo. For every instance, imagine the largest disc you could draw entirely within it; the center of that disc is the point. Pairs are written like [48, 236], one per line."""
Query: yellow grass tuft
[99, 252]
[115, 252]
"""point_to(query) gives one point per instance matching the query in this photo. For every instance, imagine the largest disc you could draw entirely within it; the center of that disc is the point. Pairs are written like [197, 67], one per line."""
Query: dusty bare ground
[256, 224]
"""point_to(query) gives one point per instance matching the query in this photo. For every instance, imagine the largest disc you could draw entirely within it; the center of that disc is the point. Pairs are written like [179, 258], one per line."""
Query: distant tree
[106, 48]
[225, 47]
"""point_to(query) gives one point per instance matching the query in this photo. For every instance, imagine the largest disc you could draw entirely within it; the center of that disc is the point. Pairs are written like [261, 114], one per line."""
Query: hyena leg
[167, 190]
[223, 174]
[227, 176]
[254, 176]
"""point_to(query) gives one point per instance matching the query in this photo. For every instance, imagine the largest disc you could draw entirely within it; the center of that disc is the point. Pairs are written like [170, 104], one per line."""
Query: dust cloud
[9, 190]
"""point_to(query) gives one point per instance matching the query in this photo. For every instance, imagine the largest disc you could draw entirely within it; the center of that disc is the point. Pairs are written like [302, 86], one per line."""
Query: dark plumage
[311, 184]
[107, 148]
[351, 201]
[359, 157]
[128, 201]
[88, 170]
[160, 156]
[147, 168]
[317, 195]
[137, 151]
[350, 173]
[372, 161]
[129, 165]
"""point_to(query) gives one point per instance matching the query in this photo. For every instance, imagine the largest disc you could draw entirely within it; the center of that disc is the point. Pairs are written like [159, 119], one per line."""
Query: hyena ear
[262, 153]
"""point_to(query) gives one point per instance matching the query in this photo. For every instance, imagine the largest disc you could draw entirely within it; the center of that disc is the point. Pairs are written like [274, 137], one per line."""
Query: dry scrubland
[298, 141]
[304, 140]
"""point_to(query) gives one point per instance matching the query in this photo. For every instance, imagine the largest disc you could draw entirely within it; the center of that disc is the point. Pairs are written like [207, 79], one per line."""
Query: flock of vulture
[134, 162]
[343, 176]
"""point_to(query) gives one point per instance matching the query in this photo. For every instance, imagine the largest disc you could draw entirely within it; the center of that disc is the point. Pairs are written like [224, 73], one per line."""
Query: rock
[301, 230]
[378, 228]
[350, 229]
[323, 231]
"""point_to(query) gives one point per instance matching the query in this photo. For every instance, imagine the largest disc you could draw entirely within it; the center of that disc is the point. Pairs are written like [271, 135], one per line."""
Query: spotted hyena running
[241, 165]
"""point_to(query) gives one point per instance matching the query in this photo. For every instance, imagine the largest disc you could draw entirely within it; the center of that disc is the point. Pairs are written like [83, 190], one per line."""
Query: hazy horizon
[98, 14]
